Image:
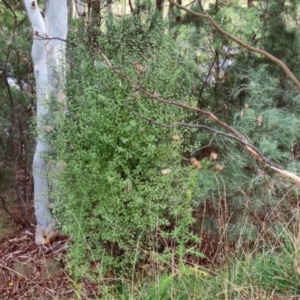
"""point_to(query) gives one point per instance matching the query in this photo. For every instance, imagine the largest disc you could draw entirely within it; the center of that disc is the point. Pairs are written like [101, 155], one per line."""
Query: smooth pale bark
[80, 7]
[49, 59]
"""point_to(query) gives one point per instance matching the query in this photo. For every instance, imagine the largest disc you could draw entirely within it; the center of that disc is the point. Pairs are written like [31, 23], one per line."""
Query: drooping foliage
[255, 97]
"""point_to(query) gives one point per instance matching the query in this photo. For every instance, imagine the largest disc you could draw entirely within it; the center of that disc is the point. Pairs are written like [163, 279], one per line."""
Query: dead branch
[253, 151]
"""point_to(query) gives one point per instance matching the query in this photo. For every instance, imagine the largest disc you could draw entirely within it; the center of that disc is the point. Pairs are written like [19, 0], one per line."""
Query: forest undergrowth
[172, 165]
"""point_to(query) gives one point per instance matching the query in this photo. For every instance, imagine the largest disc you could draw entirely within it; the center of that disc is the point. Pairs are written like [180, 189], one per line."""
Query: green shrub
[112, 194]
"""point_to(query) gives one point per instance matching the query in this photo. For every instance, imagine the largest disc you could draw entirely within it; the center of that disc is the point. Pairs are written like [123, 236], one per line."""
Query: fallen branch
[252, 150]
[245, 45]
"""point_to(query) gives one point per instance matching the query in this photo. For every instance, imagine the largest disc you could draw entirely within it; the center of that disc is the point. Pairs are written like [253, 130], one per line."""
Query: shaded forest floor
[31, 272]
[28, 271]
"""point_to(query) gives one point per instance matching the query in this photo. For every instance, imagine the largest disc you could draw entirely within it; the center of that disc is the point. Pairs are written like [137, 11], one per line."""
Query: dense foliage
[124, 178]
[113, 199]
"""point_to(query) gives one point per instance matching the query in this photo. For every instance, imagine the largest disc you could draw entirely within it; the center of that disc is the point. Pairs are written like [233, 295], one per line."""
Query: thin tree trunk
[80, 8]
[49, 60]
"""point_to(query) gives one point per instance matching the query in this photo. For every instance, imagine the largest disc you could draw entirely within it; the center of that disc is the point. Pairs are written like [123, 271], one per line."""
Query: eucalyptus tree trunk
[80, 7]
[49, 60]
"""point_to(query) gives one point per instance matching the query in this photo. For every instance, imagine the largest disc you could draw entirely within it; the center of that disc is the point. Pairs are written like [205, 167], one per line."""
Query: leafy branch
[234, 134]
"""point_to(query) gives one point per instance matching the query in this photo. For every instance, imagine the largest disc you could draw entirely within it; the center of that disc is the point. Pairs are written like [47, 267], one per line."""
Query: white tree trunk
[49, 60]
[80, 7]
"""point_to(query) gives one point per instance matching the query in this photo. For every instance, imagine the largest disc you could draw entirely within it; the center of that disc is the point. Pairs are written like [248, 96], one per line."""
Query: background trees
[17, 108]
